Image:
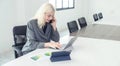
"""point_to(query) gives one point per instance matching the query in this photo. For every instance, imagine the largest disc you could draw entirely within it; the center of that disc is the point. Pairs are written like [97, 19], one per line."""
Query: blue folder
[60, 56]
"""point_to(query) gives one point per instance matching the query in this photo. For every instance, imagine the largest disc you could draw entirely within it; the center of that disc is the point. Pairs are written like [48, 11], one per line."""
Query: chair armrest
[18, 49]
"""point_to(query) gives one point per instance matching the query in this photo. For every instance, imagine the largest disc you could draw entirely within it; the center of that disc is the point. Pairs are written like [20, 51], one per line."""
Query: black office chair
[19, 34]
[72, 26]
[100, 15]
[82, 22]
[95, 17]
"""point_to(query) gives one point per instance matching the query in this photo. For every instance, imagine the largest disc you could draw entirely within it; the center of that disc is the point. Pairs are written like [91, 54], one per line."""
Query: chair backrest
[82, 22]
[95, 17]
[19, 34]
[72, 26]
[100, 15]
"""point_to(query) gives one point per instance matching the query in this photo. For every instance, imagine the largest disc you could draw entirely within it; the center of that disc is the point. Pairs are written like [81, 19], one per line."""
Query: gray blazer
[36, 37]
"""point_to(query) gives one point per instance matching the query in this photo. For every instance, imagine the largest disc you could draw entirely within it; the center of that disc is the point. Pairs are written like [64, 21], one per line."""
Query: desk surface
[86, 52]
[100, 31]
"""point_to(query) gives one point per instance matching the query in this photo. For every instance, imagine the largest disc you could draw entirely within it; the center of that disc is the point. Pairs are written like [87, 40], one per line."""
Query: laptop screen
[70, 42]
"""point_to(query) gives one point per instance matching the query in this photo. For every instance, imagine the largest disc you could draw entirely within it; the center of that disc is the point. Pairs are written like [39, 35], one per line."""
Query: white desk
[87, 52]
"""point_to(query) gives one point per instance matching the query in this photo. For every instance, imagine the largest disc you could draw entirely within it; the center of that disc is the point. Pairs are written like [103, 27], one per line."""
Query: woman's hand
[53, 45]
[54, 23]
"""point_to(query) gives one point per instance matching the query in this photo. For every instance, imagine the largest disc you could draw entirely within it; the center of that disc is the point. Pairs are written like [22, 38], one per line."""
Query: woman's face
[49, 16]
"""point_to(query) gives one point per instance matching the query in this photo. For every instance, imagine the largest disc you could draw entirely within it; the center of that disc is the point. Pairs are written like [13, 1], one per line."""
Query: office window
[62, 4]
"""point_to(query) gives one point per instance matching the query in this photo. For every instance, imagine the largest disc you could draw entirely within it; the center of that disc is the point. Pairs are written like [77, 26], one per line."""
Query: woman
[42, 29]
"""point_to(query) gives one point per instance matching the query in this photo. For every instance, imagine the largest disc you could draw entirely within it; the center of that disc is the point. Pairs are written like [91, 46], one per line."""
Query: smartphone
[51, 21]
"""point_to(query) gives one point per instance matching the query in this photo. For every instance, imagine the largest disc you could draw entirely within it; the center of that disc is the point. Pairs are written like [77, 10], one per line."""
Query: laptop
[68, 46]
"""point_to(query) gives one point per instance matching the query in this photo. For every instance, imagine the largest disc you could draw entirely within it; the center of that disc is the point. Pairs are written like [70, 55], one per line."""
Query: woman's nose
[51, 18]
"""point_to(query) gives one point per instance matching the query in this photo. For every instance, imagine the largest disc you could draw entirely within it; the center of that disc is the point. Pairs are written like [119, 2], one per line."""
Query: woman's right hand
[54, 23]
[53, 45]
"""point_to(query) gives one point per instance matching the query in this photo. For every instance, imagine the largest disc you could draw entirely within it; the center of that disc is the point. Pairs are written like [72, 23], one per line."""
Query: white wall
[18, 12]
[31, 7]
[65, 16]
[109, 8]
[8, 18]
[86, 9]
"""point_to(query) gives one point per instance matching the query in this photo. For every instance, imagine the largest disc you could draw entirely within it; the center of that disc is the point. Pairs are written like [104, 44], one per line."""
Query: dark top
[37, 37]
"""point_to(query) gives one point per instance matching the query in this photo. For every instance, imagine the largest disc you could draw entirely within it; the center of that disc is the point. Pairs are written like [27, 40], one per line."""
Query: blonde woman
[42, 29]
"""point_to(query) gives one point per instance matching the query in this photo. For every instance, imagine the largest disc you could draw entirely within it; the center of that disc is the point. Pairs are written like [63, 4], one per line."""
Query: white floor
[109, 21]
[6, 57]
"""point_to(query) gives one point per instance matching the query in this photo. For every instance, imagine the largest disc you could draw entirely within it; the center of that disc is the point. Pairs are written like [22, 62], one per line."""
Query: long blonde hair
[40, 14]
